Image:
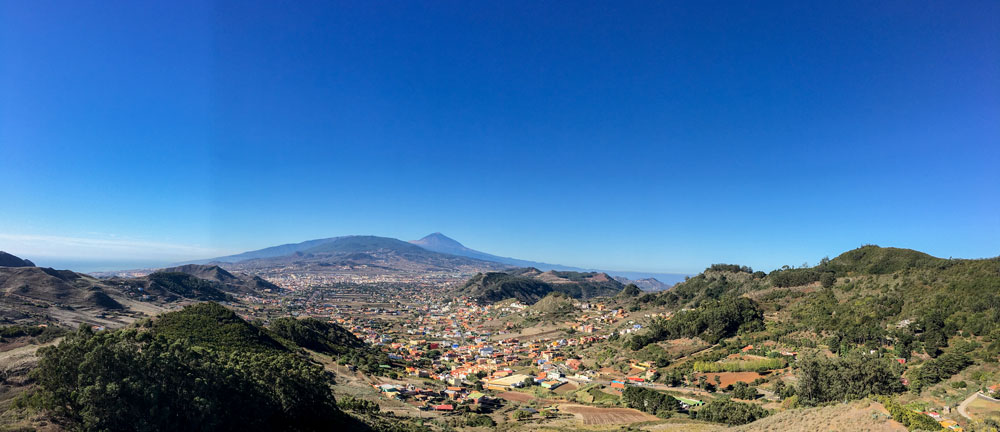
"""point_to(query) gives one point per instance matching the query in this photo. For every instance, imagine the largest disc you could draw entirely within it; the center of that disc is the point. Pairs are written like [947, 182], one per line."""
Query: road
[962, 406]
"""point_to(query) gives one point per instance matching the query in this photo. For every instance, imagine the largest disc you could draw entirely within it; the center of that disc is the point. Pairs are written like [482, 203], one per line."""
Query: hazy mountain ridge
[646, 284]
[8, 260]
[37, 294]
[439, 242]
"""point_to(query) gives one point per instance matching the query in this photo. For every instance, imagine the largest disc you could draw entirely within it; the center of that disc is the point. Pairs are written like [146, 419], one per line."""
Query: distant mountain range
[360, 255]
[441, 243]
[433, 253]
[40, 294]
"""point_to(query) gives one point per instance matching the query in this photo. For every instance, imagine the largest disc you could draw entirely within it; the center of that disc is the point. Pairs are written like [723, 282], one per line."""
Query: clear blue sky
[657, 136]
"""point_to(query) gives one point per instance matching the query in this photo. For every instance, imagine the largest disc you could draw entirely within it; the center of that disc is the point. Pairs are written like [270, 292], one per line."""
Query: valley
[525, 349]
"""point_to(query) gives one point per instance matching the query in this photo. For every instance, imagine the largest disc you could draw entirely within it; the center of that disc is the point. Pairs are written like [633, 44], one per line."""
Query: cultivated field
[606, 416]
[729, 378]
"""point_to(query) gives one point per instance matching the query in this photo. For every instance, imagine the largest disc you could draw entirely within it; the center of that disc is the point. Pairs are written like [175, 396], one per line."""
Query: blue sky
[654, 136]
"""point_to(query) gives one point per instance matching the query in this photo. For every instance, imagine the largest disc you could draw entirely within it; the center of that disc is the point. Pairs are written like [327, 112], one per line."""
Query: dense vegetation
[711, 322]
[225, 375]
[730, 412]
[939, 369]
[520, 284]
[630, 290]
[495, 286]
[187, 286]
[761, 365]
[331, 339]
[212, 326]
[650, 401]
[39, 334]
[855, 376]
[911, 419]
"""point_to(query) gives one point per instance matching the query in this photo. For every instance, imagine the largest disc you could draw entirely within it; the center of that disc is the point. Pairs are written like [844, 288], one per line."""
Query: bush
[650, 401]
[479, 420]
[730, 412]
[846, 378]
[712, 322]
[909, 418]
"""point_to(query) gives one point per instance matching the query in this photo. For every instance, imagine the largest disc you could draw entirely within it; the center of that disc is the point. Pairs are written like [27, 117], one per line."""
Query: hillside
[45, 295]
[181, 372]
[530, 285]
[35, 294]
[235, 284]
[870, 321]
[8, 260]
[354, 255]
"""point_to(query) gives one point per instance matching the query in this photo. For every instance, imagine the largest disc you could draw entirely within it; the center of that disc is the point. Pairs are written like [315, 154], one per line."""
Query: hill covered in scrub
[872, 321]
[200, 368]
[529, 285]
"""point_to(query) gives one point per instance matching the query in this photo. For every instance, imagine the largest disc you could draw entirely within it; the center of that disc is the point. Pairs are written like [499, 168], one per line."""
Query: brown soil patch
[605, 416]
[730, 378]
[565, 388]
[517, 397]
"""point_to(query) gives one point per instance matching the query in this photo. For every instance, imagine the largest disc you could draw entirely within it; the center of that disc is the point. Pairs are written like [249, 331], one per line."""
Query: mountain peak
[438, 240]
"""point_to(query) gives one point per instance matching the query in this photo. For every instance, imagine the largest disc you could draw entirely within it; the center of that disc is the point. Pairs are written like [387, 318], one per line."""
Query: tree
[827, 279]
[846, 378]
[730, 412]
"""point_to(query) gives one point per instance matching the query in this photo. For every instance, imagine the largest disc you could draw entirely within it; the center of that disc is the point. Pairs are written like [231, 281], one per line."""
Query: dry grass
[607, 416]
[856, 416]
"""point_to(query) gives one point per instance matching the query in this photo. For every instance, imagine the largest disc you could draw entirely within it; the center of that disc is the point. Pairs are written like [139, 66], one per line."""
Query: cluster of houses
[431, 399]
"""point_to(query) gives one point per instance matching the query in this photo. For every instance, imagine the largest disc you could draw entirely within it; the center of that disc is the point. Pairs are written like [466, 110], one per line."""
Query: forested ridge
[200, 368]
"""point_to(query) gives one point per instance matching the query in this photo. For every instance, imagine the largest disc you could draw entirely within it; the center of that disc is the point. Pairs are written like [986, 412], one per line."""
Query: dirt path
[965, 404]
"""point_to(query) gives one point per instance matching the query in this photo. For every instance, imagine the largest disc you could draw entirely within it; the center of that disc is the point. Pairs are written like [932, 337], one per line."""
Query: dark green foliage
[136, 379]
[743, 391]
[332, 339]
[479, 420]
[495, 286]
[878, 260]
[311, 333]
[187, 286]
[827, 279]
[940, 369]
[909, 418]
[39, 334]
[730, 412]
[733, 268]
[846, 378]
[793, 277]
[650, 401]
[350, 403]
[857, 321]
[711, 322]
[211, 325]
[630, 290]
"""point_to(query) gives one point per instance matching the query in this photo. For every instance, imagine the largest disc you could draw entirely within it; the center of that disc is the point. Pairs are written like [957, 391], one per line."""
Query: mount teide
[441, 243]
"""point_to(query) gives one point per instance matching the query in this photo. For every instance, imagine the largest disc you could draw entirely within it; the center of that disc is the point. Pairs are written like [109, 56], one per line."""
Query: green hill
[211, 325]
[529, 285]
[495, 286]
[866, 307]
[200, 368]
